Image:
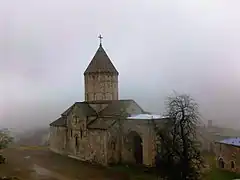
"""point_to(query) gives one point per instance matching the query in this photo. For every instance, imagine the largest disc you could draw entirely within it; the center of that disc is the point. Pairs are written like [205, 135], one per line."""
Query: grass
[217, 174]
[131, 173]
[32, 147]
[139, 174]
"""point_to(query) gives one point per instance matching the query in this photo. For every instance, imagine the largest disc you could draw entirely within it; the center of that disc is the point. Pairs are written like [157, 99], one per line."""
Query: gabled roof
[85, 109]
[101, 63]
[117, 108]
[104, 119]
[59, 122]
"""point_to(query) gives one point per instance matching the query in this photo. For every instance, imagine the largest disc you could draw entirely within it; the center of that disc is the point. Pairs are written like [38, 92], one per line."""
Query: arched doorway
[221, 163]
[135, 141]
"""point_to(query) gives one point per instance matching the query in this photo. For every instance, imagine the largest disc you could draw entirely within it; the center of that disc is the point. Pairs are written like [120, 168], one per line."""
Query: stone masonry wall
[145, 131]
[124, 142]
[113, 144]
[91, 147]
[230, 155]
[57, 140]
[101, 86]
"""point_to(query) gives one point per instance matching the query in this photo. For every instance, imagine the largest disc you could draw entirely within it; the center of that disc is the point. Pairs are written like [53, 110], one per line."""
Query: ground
[37, 163]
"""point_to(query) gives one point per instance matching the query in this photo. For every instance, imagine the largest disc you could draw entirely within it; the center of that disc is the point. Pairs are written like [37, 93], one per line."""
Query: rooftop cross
[100, 38]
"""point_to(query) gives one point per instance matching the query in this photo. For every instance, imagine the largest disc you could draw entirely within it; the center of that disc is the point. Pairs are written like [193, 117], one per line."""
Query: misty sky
[157, 46]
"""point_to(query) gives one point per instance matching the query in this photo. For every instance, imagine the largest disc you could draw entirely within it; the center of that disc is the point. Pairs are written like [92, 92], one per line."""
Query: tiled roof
[83, 107]
[101, 63]
[106, 116]
[114, 108]
[117, 107]
[231, 141]
[59, 122]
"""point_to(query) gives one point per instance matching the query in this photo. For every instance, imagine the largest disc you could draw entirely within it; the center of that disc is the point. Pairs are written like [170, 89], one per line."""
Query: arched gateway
[136, 146]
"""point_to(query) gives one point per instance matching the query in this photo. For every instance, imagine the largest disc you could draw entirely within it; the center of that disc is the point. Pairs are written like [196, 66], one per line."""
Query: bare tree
[178, 152]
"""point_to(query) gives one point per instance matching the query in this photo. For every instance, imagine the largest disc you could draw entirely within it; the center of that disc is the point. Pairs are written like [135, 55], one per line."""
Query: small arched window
[98, 96]
[113, 145]
[81, 133]
[76, 141]
[232, 164]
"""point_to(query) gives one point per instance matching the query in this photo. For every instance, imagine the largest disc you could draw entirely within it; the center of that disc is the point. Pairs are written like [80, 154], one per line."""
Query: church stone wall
[102, 147]
[113, 144]
[230, 156]
[119, 140]
[145, 130]
[82, 143]
[57, 140]
[92, 147]
[101, 86]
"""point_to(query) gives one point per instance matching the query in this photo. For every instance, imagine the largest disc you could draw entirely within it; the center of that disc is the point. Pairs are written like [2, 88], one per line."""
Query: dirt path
[43, 173]
[42, 164]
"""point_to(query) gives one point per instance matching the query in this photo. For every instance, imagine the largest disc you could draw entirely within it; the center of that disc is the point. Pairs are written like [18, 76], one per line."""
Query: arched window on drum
[98, 96]
[108, 96]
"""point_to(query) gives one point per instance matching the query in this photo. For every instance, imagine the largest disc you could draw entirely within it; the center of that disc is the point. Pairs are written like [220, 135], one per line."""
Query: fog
[157, 46]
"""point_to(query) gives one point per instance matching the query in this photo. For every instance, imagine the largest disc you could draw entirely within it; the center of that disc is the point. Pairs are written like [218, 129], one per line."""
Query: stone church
[102, 129]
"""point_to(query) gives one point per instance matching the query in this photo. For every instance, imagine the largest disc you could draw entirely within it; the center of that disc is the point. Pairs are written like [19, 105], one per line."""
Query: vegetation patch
[217, 174]
[32, 147]
[128, 172]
